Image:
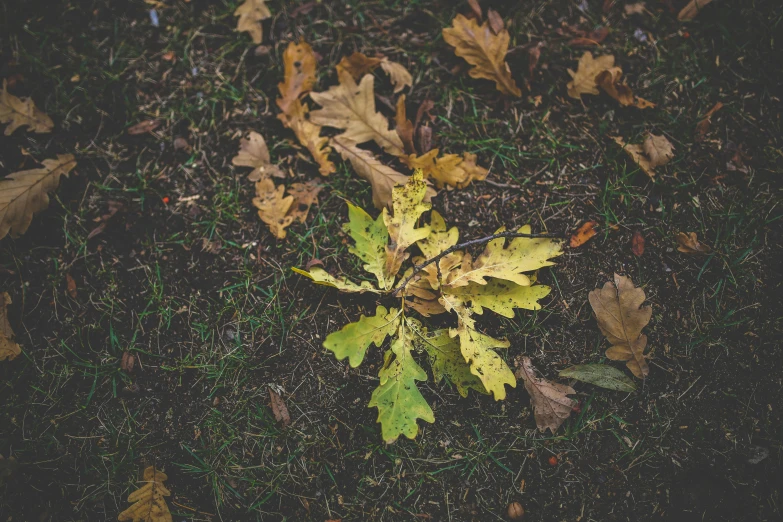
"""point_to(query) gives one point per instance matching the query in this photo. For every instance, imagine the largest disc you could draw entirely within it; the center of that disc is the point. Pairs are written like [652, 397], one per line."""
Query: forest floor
[186, 278]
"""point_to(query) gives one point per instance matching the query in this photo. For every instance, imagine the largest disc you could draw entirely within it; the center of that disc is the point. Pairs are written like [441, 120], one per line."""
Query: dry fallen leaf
[273, 206]
[404, 126]
[279, 409]
[637, 8]
[637, 155]
[299, 76]
[621, 317]
[448, 170]
[690, 11]
[485, 51]
[144, 127]
[688, 243]
[128, 361]
[299, 63]
[9, 350]
[254, 153]
[70, 283]
[609, 81]
[148, 502]
[26, 192]
[703, 127]
[398, 74]
[495, 21]
[304, 194]
[583, 234]
[637, 244]
[550, 401]
[583, 81]
[382, 178]
[250, 14]
[659, 149]
[351, 107]
[18, 112]
[103, 220]
[358, 64]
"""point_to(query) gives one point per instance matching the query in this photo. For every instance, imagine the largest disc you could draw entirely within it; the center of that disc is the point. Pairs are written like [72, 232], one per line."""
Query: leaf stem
[460, 246]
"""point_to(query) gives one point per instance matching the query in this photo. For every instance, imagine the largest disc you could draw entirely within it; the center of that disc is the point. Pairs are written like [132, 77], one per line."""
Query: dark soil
[187, 279]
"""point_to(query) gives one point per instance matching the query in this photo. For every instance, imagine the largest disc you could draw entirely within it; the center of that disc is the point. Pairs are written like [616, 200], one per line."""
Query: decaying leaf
[583, 81]
[254, 153]
[351, 107]
[26, 192]
[299, 63]
[404, 127]
[18, 112]
[495, 21]
[659, 149]
[550, 401]
[144, 127]
[273, 206]
[448, 170]
[250, 14]
[9, 350]
[621, 318]
[398, 74]
[609, 81]
[279, 408]
[484, 50]
[304, 194]
[354, 339]
[149, 504]
[636, 152]
[693, 8]
[382, 178]
[70, 283]
[600, 375]
[446, 359]
[583, 234]
[703, 127]
[688, 243]
[299, 74]
[637, 244]
[358, 65]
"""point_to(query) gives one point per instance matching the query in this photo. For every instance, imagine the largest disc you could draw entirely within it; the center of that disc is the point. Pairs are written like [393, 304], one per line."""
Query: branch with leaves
[444, 279]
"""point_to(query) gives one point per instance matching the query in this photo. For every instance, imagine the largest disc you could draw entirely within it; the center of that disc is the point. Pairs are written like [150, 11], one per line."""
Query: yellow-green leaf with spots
[400, 403]
[478, 350]
[408, 205]
[521, 255]
[322, 277]
[370, 237]
[439, 239]
[501, 296]
[446, 358]
[354, 339]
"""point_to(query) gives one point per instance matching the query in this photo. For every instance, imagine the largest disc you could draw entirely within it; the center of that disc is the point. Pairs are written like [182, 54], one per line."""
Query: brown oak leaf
[21, 112]
[550, 401]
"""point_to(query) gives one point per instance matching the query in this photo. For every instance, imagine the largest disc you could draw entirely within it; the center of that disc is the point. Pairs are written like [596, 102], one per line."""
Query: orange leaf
[583, 234]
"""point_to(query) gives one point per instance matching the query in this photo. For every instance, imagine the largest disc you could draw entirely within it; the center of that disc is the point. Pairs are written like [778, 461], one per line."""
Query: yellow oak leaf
[322, 277]
[484, 50]
[448, 170]
[309, 135]
[408, 206]
[299, 74]
[440, 237]
[304, 194]
[273, 206]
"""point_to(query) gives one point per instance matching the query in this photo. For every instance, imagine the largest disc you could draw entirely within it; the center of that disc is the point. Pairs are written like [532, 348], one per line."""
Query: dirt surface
[189, 282]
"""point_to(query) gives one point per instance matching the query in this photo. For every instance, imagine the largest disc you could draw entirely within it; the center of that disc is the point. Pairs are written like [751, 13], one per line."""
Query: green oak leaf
[354, 339]
[322, 277]
[370, 238]
[601, 375]
[446, 358]
[398, 399]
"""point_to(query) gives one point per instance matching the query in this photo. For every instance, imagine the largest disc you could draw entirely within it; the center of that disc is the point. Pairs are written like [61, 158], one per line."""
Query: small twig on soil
[460, 246]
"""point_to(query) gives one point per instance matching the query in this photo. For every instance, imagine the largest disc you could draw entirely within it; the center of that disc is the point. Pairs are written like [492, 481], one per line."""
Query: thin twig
[466, 244]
